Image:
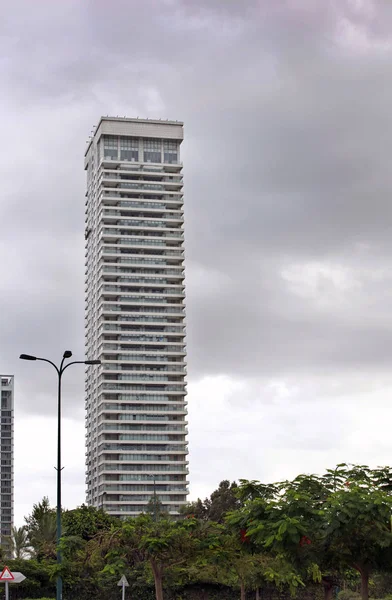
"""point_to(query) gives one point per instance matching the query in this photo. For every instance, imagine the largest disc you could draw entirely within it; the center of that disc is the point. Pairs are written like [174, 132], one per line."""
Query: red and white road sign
[6, 575]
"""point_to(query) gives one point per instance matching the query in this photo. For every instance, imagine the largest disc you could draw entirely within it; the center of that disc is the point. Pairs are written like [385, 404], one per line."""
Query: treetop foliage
[312, 530]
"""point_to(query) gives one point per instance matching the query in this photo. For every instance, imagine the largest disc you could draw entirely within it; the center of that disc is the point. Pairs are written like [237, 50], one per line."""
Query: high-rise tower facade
[6, 458]
[135, 317]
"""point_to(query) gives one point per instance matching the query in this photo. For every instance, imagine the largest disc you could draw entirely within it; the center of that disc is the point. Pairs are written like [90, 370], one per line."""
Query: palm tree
[19, 539]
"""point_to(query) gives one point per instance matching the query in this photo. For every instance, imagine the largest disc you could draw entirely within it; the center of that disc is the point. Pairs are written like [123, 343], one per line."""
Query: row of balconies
[138, 399]
[108, 288]
[152, 167]
[143, 332]
[119, 370]
[175, 469]
[130, 358]
[106, 425]
[138, 229]
[142, 478]
[162, 412]
[128, 419]
[139, 305]
[141, 228]
[141, 193]
[164, 251]
[108, 456]
[159, 207]
[149, 362]
[149, 377]
[139, 286]
[142, 361]
[141, 338]
[158, 187]
[131, 238]
[113, 272]
[129, 326]
[109, 422]
[133, 510]
[133, 212]
[145, 276]
[140, 298]
[120, 320]
[139, 178]
[141, 314]
[128, 219]
[145, 347]
[169, 277]
[106, 444]
[143, 368]
[124, 408]
[149, 387]
[141, 167]
[139, 221]
[163, 205]
[125, 174]
[137, 182]
[142, 262]
[137, 443]
[160, 488]
[126, 498]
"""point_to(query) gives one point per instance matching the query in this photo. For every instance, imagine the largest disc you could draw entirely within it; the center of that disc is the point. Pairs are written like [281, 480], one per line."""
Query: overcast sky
[287, 163]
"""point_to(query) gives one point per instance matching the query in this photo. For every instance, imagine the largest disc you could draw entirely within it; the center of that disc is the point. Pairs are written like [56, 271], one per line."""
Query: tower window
[153, 151]
[170, 151]
[129, 149]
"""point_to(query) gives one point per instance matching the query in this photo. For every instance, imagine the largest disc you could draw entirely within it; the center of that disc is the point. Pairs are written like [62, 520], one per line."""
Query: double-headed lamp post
[60, 370]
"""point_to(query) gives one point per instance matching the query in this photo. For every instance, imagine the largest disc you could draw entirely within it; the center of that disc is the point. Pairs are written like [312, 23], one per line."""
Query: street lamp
[153, 477]
[60, 370]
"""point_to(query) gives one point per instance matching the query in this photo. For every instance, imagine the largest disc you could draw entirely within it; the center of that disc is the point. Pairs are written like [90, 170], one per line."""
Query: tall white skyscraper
[135, 317]
[6, 458]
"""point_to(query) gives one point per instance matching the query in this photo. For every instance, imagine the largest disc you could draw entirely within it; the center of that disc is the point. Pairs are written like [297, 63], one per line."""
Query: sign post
[6, 576]
[122, 583]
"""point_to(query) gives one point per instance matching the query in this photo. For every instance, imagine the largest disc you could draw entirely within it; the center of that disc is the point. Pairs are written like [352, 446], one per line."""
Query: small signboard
[123, 582]
[6, 575]
[18, 577]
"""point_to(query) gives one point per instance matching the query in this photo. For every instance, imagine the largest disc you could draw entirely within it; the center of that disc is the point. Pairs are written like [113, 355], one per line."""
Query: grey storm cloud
[287, 123]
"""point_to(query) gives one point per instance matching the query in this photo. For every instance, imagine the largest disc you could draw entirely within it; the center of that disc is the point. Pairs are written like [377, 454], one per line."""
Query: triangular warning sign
[6, 575]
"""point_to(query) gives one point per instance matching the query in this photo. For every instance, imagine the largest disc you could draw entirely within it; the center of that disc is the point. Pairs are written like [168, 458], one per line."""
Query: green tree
[164, 545]
[87, 521]
[223, 500]
[285, 520]
[322, 525]
[358, 530]
[196, 509]
[237, 566]
[41, 530]
[155, 508]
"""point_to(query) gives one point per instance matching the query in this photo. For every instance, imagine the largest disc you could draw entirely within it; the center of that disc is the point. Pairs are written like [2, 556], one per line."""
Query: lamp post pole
[60, 370]
[153, 477]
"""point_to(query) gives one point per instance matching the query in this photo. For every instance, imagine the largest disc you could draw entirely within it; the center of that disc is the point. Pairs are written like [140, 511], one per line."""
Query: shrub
[349, 595]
